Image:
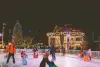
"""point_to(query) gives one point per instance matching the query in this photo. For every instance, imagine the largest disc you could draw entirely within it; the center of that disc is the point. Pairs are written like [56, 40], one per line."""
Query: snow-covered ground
[61, 61]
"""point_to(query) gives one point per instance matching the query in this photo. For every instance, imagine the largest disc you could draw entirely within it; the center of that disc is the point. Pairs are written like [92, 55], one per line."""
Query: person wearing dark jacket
[52, 51]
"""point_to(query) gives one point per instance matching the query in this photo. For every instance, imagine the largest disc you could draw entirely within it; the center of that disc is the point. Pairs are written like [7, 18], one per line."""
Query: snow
[61, 61]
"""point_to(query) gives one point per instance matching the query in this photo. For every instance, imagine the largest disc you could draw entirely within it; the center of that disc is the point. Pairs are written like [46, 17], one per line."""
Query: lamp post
[3, 33]
[0, 35]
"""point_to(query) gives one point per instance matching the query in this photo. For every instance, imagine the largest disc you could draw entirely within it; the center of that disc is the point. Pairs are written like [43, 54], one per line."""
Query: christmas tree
[17, 34]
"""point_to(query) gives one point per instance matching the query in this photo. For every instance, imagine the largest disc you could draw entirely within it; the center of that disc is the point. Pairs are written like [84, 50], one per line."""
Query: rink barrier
[30, 50]
[27, 50]
[75, 52]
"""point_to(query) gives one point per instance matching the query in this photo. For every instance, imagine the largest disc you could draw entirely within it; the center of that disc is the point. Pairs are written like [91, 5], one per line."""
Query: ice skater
[52, 52]
[22, 52]
[81, 54]
[89, 53]
[45, 59]
[35, 54]
[52, 64]
[63, 51]
[11, 50]
[24, 58]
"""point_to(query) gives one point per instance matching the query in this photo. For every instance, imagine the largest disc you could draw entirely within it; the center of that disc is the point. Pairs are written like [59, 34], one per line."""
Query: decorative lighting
[0, 34]
[68, 35]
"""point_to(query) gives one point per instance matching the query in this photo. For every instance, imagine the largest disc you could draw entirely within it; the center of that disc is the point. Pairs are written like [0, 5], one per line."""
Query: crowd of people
[11, 51]
[86, 55]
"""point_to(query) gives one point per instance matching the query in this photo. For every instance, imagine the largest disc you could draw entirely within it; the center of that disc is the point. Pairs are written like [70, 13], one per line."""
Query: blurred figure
[52, 52]
[52, 64]
[22, 53]
[45, 59]
[24, 56]
[35, 55]
[89, 53]
[63, 50]
[81, 53]
[6, 52]
[11, 50]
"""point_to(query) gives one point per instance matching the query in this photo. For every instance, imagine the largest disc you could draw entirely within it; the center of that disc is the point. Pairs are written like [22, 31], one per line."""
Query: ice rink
[61, 61]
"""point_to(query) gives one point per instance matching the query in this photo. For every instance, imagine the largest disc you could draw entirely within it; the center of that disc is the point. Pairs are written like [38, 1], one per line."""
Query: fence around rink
[75, 52]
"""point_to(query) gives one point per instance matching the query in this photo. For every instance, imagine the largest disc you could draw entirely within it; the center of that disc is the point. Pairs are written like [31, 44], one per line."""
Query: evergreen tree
[17, 34]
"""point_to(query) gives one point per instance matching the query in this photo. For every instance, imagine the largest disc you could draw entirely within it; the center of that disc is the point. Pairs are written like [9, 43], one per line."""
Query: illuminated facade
[66, 37]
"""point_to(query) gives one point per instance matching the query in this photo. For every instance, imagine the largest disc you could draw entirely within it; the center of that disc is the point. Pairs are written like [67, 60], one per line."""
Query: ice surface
[61, 61]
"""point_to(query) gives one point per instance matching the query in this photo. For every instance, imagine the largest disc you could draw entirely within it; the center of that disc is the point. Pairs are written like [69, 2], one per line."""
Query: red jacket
[11, 49]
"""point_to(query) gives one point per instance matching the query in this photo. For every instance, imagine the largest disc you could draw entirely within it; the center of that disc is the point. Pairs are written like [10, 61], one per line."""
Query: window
[72, 39]
[78, 39]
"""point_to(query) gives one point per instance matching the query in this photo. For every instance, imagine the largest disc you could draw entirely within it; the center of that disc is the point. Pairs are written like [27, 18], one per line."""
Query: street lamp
[3, 32]
[0, 35]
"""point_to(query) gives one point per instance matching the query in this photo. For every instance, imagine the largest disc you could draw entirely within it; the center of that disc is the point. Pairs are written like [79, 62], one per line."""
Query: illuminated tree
[17, 34]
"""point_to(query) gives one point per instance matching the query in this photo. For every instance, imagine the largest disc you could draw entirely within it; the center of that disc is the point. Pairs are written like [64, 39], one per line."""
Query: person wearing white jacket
[89, 53]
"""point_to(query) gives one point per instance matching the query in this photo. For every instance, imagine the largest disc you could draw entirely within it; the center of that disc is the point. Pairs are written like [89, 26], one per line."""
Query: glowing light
[68, 35]
[0, 34]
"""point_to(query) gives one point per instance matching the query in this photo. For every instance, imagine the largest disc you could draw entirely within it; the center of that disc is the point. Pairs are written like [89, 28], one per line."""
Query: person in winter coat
[45, 59]
[11, 50]
[24, 56]
[81, 53]
[52, 64]
[89, 53]
[63, 51]
[52, 51]
[22, 52]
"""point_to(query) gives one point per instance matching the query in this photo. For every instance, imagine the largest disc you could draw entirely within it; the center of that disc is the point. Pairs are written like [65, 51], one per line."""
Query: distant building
[1, 45]
[67, 37]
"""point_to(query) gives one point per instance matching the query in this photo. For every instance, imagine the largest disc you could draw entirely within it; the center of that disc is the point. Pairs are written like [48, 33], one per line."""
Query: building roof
[65, 28]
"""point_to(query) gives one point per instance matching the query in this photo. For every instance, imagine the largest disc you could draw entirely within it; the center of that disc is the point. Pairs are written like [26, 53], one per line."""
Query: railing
[94, 53]
[30, 50]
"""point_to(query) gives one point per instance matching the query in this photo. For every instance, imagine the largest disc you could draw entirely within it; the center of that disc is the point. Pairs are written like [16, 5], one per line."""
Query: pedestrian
[22, 53]
[45, 59]
[11, 50]
[52, 51]
[63, 51]
[51, 64]
[81, 53]
[35, 55]
[89, 53]
[24, 56]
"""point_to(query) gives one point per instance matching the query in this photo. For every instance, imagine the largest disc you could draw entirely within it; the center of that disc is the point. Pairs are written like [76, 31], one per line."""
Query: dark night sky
[41, 17]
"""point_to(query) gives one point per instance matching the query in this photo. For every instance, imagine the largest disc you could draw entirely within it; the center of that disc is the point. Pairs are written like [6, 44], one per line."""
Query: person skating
[53, 64]
[35, 55]
[45, 59]
[52, 52]
[24, 56]
[22, 53]
[81, 53]
[89, 53]
[11, 49]
[63, 51]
